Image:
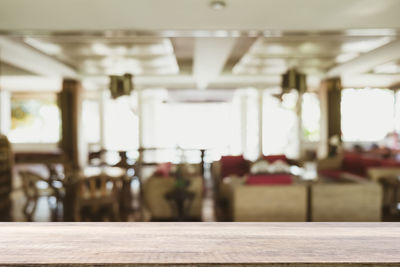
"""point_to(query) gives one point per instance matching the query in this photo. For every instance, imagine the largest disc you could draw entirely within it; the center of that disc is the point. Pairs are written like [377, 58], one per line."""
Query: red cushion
[370, 162]
[352, 163]
[390, 163]
[233, 165]
[163, 169]
[269, 179]
[273, 158]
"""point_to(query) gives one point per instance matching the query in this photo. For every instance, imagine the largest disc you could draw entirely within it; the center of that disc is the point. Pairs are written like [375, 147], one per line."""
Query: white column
[103, 96]
[151, 100]
[243, 113]
[299, 110]
[260, 122]
[140, 117]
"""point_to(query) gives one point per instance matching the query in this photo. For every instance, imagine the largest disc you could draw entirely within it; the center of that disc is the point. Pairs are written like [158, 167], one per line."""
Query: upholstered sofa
[350, 164]
[229, 166]
[349, 200]
[270, 198]
[358, 166]
[156, 186]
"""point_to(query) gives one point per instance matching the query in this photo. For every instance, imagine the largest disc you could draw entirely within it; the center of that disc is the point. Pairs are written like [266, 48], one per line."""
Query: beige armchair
[346, 202]
[267, 203]
[155, 189]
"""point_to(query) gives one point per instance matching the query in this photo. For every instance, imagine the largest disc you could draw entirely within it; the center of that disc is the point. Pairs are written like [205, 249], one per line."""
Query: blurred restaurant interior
[189, 110]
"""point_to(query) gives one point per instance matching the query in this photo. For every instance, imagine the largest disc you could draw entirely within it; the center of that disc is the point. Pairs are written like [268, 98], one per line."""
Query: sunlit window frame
[351, 141]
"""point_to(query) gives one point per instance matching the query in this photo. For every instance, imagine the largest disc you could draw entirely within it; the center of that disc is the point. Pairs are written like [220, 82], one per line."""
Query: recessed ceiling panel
[313, 54]
[106, 56]
[392, 67]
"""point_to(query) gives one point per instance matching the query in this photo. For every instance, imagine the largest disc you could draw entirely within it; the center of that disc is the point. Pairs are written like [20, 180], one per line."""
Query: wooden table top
[200, 244]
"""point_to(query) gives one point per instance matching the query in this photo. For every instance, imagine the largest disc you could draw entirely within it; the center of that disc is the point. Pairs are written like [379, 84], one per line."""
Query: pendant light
[121, 85]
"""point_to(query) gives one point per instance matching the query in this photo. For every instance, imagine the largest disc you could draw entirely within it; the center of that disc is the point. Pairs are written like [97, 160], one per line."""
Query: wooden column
[72, 140]
[330, 97]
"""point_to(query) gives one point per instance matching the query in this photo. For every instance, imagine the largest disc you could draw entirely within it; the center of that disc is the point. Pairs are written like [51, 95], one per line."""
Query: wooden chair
[95, 195]
[391, 193]
[32, 192]
[6, 178]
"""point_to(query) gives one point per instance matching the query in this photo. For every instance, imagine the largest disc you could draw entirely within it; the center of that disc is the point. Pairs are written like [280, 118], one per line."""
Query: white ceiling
[166, 43]
[155, 15]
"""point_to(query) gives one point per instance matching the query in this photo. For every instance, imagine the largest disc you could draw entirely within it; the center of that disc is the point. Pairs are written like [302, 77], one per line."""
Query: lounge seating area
[290, 197]
[200, 112]
[270, 189]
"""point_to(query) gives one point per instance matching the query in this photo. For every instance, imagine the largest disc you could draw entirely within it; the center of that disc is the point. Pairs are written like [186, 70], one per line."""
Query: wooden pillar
[72, 140]
[330, 98]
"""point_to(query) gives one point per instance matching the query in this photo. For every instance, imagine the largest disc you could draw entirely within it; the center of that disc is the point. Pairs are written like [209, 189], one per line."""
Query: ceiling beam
[36, 83]
[188, 81]
[242, 46]
[210, 56]
[27, 58]
[371, 80]
[31, 83]
[366, 62]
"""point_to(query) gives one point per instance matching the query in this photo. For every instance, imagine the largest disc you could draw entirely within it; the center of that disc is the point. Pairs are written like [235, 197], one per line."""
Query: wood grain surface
[200, 244]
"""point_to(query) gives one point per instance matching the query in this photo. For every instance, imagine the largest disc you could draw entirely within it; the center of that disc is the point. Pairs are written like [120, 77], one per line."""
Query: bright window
[168, 125]
[35, 119]
[197, 126]
[190, 126]
[367, 114]
[121, 124]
